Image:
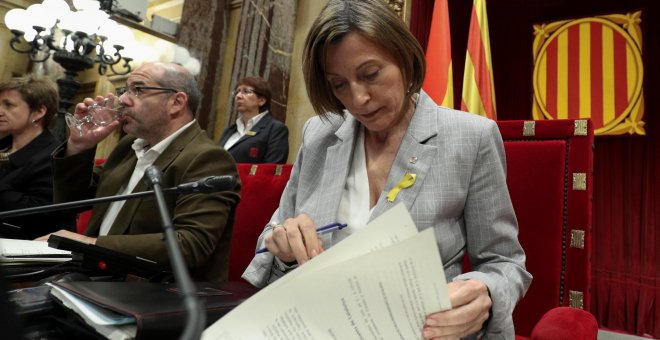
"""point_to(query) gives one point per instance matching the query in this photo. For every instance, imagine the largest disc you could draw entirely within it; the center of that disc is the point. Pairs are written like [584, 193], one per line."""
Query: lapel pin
[406, 182]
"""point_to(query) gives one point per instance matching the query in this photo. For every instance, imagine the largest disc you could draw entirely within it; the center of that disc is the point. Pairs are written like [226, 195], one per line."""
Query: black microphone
[152, 176]
[204, 185]
[195, 317]
[208, 184]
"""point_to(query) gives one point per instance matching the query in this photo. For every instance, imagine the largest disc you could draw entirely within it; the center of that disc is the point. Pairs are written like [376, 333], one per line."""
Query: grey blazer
[460, 192]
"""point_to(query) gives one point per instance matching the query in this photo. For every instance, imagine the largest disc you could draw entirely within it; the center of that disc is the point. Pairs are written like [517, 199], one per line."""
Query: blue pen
[320, 231]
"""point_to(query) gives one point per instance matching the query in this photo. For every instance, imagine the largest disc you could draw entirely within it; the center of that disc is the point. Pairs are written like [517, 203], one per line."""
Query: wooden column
[203, 32]
[264, 47]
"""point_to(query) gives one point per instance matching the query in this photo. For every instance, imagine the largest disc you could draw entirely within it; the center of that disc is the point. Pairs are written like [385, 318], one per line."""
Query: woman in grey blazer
[364, 73]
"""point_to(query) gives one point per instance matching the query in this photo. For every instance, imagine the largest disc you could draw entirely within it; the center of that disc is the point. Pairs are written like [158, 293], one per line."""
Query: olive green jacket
[203, 222]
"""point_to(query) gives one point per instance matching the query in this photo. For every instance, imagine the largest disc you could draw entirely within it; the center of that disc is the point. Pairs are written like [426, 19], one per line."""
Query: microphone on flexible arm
[208, 184]
[106, 261]
[195, 317]
[204, 185]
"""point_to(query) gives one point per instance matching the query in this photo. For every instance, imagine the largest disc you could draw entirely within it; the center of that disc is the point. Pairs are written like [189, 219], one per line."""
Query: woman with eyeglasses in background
[255, 137]
[27, 104]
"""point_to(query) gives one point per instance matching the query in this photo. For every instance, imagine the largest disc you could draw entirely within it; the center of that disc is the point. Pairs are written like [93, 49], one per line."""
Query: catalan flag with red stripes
[438, 82]
[478, 86]
[591, 68]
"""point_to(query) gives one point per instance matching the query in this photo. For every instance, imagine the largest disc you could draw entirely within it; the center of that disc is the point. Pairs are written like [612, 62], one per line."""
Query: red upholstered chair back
[83, 220]
[549, 175]
[261, 189]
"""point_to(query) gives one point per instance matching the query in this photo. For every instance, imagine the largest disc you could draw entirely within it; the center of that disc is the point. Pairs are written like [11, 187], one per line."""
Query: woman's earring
[415, 97]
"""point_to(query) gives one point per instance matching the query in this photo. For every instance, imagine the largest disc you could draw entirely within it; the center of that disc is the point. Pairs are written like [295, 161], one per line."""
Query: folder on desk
[157, 308]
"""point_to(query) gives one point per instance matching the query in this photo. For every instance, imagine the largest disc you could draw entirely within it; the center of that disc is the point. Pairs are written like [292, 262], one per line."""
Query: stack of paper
[25, 251]
[110, 324]
[379, 283]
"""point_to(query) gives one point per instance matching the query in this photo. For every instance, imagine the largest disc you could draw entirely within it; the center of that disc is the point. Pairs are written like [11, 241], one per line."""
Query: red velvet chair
[261, 188]
[562, 323]
[549, 175]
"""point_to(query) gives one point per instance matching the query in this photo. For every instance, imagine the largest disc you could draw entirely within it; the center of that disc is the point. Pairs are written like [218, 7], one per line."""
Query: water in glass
[99, 114]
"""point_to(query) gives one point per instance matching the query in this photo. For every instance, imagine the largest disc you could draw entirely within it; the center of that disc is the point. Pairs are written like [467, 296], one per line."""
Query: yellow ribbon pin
[250, 133]
[406, 182]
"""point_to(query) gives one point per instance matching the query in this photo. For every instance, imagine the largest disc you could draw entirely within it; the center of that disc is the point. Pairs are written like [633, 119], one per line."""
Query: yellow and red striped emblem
[591, 68]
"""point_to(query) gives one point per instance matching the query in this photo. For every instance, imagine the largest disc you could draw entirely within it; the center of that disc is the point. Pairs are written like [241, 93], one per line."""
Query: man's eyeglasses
[136, 90]
[245, 92]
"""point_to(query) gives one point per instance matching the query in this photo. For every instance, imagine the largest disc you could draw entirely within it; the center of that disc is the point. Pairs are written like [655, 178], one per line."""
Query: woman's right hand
[91, 134]
[295, 240]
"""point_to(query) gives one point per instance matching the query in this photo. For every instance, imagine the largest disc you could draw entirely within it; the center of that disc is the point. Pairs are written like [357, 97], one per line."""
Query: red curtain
[420, 21]
[626, 278]
[626, 254]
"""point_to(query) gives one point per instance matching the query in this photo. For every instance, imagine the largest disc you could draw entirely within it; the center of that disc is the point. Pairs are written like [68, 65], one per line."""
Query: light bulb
[68, 22]
[81, 22]
[121, 35]
[38, 15]
[193, 66]
[56, 8]
[15, 19]
[107, 27]
[30, 35]
[181, 54]
[130, 51]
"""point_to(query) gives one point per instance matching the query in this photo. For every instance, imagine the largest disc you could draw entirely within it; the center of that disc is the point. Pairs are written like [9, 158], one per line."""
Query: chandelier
[77, 40]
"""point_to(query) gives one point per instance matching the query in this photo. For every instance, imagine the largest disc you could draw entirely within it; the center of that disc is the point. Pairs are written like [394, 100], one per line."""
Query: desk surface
[159, 307]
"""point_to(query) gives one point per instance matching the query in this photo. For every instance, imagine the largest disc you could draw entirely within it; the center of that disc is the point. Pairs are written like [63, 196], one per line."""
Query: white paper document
[380, 283]
[108, 323]
[12, 250]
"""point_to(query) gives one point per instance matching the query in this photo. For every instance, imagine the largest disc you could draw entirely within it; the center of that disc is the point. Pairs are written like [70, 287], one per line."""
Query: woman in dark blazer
[255, 137]
[27, 105]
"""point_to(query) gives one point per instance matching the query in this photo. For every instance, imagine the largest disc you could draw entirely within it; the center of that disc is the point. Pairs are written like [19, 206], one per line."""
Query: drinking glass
[99, 114]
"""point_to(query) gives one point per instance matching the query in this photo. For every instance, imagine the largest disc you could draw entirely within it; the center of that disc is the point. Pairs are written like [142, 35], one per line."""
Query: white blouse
[354, 205]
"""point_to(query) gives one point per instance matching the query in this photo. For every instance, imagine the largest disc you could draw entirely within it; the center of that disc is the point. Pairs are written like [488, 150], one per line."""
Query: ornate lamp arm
[16, 40]
[126, 66]
[38, 44]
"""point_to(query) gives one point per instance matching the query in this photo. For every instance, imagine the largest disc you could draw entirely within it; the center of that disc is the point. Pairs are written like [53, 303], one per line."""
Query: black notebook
[152, 310]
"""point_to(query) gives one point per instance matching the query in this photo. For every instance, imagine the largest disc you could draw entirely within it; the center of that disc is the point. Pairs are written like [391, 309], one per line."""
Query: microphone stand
[77, 204]
[195, 317]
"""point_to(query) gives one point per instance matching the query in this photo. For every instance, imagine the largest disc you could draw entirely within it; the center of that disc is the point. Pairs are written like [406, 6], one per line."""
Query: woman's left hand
[471, 308]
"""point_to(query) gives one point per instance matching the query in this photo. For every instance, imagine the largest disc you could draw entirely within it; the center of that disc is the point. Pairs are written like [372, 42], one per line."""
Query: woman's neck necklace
[4, 155]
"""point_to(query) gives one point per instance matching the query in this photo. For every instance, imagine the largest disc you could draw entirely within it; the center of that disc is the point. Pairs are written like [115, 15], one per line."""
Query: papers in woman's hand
[381, 282]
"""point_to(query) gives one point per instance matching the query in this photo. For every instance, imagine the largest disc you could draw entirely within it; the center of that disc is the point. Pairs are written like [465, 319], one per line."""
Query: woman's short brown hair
[37, 92]
[374, 20]
[260, 87]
